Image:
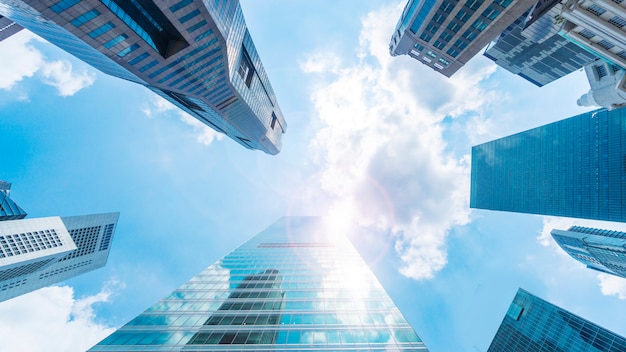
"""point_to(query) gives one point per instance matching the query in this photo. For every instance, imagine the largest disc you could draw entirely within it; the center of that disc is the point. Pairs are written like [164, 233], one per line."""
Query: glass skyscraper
[298, 285]
[197, 54]
[574, 168]
[9, 210]
[602, 250]
[532, 324]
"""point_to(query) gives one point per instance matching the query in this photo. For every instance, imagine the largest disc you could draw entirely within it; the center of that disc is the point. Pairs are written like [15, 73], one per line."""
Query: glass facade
[296, 286]
[9, 210]
[188, 49]
[602, 250]
[532, 324]
[538, 60]
[573, 168]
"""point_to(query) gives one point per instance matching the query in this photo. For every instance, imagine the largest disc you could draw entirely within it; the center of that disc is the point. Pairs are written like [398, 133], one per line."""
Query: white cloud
[611, 285]
[60, 75]
[61, 321]
[380, 147]
[25, 60]
[158, 105]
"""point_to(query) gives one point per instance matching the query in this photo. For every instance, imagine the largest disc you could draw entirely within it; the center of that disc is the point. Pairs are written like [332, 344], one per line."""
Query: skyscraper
[8, 209]
[298, 285]
[538, 57]
[602, 250]
[573, 168]
[197, 54]
[8, 28]
[532, 324]
[446, 34]
[39, 252]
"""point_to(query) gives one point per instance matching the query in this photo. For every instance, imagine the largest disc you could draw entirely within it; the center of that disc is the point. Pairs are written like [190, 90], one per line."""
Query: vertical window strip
[101, 30]
[128, 50]
[180, 5]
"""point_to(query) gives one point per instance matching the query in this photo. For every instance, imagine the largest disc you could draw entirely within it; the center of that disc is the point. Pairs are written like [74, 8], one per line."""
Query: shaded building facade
[196, 54]
[573, 168]
[532, 324]
[446, 34]
[298, 285]
[9, 210]
[602, 250]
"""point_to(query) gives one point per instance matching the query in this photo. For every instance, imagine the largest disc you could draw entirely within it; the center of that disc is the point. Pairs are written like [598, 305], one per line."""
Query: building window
[179, 5]
[605, 44]
[439, 18]
[454, 26]
[453, 52]
[618, 21]
[491, 13]
[431, 54]
[426, 37]
[432, 27]
[439, 44]
[86, 17]
[63, 5]
[101, 30]
[480, 25]
[149, 23]
[469, 35]
[585, 33]
[596, 10]
[473, 4]
[138, 59]
[446, 7]
[418, 46]
[444, 61]
[503, 3]
[111, 43]
[462, 15]
[246, 69]
[128, 50]
[273, 124]
[600, 71]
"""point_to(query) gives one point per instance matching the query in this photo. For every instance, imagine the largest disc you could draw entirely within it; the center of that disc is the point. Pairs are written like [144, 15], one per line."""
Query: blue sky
[380, 144]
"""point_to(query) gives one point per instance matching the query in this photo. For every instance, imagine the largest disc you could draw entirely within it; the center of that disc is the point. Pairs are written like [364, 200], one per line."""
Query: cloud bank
[381, 148]
[25, 61]
[61, 321]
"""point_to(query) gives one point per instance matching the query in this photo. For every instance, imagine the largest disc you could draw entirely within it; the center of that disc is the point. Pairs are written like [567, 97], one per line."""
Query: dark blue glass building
[602, 250]
[574, 168]
[532, 324]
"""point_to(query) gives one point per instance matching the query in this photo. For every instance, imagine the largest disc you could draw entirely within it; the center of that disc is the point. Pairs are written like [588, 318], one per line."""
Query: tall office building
[39, 252]
[446, 34]
[540, 57]
[8, 209]
[197, 54]
[532, 324]
[602, 250]
[296, 286]
[573, 168]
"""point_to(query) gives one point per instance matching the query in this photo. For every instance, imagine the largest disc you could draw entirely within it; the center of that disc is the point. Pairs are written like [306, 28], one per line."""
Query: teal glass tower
[574, 168]
[602, 250]
[296, 286]
[532, 324]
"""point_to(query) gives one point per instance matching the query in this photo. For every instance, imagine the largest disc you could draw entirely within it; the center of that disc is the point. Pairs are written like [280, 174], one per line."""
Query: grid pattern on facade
[23, 269]
[13, 284]
[106, 237]
[21, 243]
[602, 250]
[85, 239]
[532, 324]
[574, 168]
[64, 269]
[538, 62]
[178, 50]
[306, 291]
